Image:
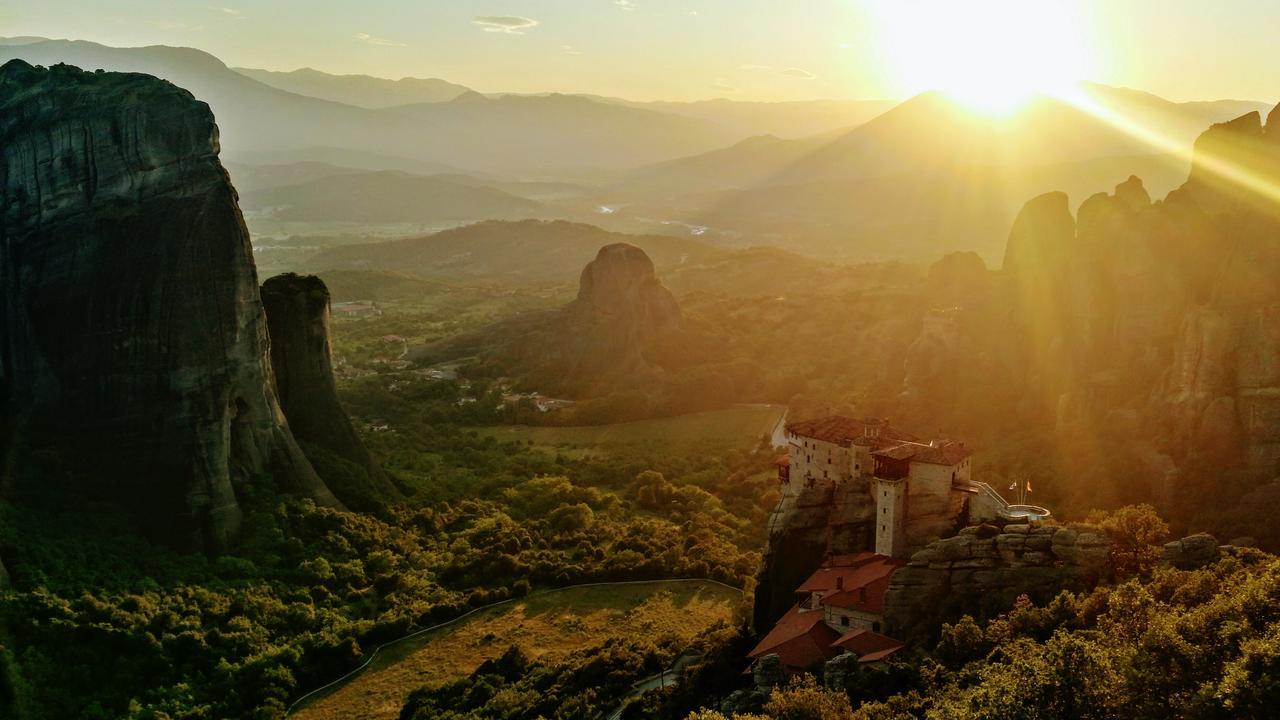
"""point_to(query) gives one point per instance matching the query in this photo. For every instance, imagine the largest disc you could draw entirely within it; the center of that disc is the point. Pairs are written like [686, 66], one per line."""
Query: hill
[924, 178]
[505, 135]
[387, 196]
[359, 90]
[532, 251]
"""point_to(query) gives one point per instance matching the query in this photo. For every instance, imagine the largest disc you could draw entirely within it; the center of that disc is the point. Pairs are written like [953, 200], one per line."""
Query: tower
[891, 516]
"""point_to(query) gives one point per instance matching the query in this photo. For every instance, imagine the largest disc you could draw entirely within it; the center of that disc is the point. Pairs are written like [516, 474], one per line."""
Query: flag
[1013, 485]
[1028, 486]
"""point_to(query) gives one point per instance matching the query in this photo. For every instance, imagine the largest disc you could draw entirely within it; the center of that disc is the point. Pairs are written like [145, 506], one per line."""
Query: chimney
[839, 582]
[862, 594]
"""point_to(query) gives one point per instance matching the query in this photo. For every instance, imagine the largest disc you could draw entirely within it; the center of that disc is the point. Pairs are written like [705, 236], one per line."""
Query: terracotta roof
[783, 460]
[848, 431]
[800, 639]
[879, 655]
[867, 597]
[866, 568]
[899, 452]
[862, 642]
[947, 453]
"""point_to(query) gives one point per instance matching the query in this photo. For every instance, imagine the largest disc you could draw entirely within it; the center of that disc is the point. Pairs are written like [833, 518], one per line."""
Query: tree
[1135, 531]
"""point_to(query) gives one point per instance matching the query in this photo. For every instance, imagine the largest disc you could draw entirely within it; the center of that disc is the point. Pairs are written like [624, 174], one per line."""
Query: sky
[696, 49]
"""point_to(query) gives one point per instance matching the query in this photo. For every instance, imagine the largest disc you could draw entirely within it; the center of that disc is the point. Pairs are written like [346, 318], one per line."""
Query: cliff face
[988, 568]
[297, 309]
[129, 308]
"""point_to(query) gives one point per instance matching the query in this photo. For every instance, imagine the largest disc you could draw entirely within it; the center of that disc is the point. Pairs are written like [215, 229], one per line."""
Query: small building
[920, 489]
[839, 608]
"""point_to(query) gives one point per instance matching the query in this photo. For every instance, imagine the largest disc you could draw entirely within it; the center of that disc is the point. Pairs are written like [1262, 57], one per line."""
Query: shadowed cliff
[129, 310]
[297, 309]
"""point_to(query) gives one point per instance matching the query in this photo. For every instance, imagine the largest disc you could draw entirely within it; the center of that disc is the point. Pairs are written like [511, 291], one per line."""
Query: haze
[695, 49]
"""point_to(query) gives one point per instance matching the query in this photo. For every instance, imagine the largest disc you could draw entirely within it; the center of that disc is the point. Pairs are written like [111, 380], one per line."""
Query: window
[844, 621]
[875, 627]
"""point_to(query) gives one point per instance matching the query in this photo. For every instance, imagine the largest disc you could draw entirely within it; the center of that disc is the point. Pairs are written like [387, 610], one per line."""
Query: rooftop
[944, 452]
[848, 431]
[858, 583]
[868, 645]
[800, 639]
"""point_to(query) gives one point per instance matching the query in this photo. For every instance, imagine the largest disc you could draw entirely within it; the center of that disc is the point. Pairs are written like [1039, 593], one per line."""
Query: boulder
[1191, 552]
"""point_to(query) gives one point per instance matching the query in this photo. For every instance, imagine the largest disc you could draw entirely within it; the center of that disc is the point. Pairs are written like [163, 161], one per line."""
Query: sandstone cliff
[985, 568]
[623, 332]
[297, 309]
[1167, 313]
[129, 310]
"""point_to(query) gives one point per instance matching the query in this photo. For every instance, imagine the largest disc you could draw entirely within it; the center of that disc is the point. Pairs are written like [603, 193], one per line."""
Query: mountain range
[856, 180]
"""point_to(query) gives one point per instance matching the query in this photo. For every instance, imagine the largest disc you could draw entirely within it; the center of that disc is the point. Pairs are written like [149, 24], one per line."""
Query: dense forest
[306, 590]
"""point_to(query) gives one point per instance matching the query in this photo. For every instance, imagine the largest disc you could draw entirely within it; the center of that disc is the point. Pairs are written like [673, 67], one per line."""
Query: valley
[493, 391]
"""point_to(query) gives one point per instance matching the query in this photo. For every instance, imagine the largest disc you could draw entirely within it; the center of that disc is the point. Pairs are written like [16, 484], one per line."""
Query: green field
[740, 424]
[547, 624]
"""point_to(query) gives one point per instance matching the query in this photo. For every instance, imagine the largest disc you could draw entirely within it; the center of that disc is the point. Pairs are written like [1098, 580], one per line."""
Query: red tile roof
[946, 453]
[862, 642]
[879, 655]
[848, 431]
[783, 460]
[868, 597]
[863, 570]
[800, 639]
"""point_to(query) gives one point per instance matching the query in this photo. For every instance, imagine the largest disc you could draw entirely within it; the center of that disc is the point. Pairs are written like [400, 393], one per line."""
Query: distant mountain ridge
[510, 135]
[360, 90]
[531, 251]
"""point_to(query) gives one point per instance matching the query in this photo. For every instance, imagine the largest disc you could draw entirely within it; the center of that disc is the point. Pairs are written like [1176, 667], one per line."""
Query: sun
[990, 55]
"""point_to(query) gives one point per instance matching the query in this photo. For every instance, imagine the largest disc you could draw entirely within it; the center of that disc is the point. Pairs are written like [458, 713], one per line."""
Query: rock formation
[297, 310]
[620, 312]
[1168, 312]
[623, 330]
[1191, 553]
[129, 310]
[985, 566]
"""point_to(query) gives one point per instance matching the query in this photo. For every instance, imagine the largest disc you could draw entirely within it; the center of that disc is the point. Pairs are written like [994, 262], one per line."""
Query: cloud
[723, 85]
[754, 67]
[509, 24]
[625, 4]
[374, 40]
[232, 12]
[798, 73]
[570, 50]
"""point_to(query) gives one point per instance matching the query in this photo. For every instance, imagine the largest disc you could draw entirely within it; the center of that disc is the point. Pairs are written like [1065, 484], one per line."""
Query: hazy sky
[690, 49]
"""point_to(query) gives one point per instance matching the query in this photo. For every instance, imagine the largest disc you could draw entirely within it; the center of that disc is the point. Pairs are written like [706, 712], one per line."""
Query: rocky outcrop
[986, 568]
[623, 330]
[1191, 553]
[620, 312]
[129, 310]
[297, 308]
